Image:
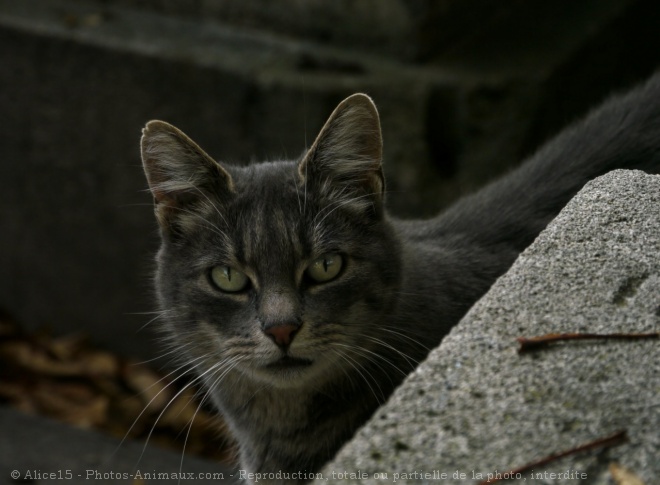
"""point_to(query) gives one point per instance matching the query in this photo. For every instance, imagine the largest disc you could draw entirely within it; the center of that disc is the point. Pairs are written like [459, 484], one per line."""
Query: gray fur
[404, 284]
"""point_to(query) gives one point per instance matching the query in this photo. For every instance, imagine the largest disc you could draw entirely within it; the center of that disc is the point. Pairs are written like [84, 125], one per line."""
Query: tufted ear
[178, 171]
[345, 160]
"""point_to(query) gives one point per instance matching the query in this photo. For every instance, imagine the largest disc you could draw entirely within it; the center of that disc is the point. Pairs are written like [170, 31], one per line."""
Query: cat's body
[301, 304]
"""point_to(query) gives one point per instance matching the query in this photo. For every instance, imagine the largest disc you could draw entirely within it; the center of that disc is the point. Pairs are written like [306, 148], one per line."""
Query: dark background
[466, 89]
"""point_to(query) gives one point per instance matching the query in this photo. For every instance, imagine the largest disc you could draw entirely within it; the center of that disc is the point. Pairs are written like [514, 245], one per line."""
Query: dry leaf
[11, 391]
[109, 385]
[65, 348]
[149, 386]
[23, 354]
[71, 403]
[99, 363]
[16, 394]
[180, 410]
[623, 476]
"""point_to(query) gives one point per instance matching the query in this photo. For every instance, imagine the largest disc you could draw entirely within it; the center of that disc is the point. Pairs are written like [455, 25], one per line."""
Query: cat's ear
[178, 171]
[346, 158]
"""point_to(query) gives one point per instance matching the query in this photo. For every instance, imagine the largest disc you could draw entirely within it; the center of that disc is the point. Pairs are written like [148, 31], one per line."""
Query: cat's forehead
[264, 177]
[270, 215]
[267, 194]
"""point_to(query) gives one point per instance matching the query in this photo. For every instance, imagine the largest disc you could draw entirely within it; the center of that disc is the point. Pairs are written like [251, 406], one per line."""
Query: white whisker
[233, 363]
[357, 366]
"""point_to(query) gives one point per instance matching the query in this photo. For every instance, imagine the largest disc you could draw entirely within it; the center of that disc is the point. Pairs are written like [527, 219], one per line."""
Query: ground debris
[67, 379]
[623, 476]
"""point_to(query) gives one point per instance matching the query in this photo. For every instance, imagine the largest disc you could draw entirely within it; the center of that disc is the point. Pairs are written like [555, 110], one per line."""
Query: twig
[533, 343]
[613, 440]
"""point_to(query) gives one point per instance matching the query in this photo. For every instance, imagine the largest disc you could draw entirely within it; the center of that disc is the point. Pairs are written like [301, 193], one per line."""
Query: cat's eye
[229, 279]
[325, 268]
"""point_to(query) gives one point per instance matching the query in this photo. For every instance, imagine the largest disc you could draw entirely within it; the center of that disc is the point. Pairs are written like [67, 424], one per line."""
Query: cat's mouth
[289, 363]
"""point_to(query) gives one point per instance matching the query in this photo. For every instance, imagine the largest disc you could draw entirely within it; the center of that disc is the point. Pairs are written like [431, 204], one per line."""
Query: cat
[301, 304]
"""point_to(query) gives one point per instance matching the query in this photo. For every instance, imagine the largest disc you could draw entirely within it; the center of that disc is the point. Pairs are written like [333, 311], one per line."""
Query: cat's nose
[282, 335]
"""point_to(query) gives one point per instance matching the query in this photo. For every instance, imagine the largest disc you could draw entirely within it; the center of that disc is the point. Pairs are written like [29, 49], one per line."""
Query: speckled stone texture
[477, 405]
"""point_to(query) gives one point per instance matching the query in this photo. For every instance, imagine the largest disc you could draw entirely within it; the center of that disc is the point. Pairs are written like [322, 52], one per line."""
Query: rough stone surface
[41, 451]
[477, 405]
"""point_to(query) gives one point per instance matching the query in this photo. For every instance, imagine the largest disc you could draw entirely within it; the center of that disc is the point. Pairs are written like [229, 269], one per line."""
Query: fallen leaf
[11, 390]
[71, 403]
[180, 410]
[28, 357]
[149, 386]
[66, 347]
[623, 476]
[99, 363]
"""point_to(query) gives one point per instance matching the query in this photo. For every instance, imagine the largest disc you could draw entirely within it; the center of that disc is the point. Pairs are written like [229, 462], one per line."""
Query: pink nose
[282, 335]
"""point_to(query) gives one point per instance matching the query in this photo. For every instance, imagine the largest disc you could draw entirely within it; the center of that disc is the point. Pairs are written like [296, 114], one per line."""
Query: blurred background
[466, 89]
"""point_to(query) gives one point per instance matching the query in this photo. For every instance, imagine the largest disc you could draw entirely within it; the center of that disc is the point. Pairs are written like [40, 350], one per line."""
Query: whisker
[305, 196]
[357, 366]
[159, 357]
[233, 364]
[408, 337]
[412, 362]
[160, 415]
[367, 354]
[142, 327]
[186, 371]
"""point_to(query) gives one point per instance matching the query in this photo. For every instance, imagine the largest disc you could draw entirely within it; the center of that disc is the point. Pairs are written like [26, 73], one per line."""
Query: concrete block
[476, 405]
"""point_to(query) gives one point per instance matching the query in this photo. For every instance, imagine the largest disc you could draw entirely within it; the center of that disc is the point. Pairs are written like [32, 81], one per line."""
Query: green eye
[325, 268]
[228, 279]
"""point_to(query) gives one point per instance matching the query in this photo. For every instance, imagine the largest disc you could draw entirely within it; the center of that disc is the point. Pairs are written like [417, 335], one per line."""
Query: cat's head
[279, 271]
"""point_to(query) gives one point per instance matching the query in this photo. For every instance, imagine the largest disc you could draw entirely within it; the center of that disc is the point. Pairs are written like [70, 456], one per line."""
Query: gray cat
[301, 304]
